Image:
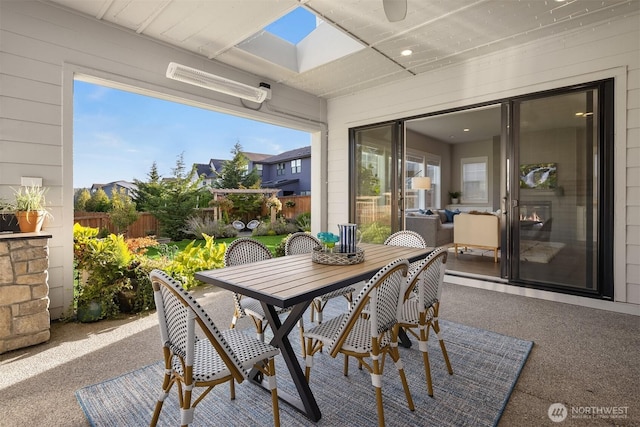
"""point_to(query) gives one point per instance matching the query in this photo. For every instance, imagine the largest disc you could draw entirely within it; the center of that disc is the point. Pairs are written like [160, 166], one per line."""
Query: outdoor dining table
[294, 281]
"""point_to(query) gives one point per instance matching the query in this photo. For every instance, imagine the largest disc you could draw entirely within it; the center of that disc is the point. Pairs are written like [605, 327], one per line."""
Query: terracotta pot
[30, 221]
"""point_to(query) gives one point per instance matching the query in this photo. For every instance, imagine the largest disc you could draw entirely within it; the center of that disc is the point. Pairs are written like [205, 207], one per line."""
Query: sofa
[435, 227]
[477, 230]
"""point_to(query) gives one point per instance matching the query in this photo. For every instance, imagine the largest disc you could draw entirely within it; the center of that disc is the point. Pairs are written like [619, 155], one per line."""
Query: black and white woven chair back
[426, 279]
[406, 238]
[177, 313]
[300, 243]
[245, 250]
[384, 296]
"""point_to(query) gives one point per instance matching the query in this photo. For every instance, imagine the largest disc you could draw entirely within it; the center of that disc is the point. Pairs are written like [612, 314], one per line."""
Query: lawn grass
[270, 241]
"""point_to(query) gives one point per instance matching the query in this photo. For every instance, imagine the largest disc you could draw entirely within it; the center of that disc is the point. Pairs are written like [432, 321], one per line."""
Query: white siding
[594, 53]
[41, 47]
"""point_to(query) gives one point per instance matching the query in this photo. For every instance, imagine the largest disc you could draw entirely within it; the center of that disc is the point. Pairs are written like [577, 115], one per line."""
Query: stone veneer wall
[24, 292]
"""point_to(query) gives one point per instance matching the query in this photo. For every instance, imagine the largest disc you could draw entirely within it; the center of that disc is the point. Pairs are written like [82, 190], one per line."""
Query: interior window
[474, 180]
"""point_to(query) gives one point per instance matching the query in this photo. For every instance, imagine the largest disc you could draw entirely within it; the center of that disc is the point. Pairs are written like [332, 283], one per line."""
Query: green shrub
[303, 221]
[280, 226]
[375, 233]
[196, 258]
[197, 226]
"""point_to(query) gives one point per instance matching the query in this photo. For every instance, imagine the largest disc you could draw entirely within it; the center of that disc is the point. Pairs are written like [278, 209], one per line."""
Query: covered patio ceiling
[438, 32]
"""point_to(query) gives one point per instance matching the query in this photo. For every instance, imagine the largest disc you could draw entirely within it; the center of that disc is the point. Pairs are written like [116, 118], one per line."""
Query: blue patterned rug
[486, 367]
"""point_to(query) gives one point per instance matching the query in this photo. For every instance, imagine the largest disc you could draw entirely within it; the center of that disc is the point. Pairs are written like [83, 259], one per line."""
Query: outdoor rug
[486, 367]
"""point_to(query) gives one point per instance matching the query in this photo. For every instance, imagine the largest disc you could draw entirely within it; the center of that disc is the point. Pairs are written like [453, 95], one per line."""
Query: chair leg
[301, 328]
[186, 410]
[167, 383]
[271, 369]
[234, 319]
[423, 342]
[395, 356]
[376, 380]
[436, 329]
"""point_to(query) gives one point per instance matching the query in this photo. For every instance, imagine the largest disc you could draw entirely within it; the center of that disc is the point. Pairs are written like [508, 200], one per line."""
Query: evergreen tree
[234, 172]
[234, 175]
[82, 197]
[149, 193]
[171, 200]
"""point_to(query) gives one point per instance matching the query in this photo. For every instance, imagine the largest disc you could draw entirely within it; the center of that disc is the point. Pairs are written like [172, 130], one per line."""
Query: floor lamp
[421, 183]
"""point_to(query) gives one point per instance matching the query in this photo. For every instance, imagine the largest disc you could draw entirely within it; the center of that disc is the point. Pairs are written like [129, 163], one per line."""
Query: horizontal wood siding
[41, 47]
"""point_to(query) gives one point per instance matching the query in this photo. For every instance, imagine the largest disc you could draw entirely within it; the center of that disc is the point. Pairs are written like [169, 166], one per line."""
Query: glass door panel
[376, 187]
[554, 218]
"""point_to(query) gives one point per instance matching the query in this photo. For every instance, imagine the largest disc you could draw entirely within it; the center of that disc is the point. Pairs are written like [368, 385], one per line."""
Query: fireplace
[535, 220]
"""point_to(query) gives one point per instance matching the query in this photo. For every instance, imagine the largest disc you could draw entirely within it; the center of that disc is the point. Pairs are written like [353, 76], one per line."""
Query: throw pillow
[429, 212]
[443, 216]
[451, 214]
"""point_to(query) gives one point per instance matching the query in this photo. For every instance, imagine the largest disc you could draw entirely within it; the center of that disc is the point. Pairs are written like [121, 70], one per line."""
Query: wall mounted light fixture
[216, 83]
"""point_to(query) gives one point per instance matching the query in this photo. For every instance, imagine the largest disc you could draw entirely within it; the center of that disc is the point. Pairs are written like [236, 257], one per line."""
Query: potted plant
[455, 197]
[8, 221]
[30, 207]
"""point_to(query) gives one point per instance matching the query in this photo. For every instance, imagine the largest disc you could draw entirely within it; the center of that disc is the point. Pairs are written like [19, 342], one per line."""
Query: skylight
[294, 26]
[300, 42]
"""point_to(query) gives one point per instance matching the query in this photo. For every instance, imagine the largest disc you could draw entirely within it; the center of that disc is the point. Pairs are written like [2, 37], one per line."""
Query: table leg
[404, 338]
[306, 403]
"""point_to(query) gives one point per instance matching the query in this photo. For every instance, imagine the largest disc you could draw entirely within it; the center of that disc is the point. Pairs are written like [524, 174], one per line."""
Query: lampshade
[216, 83]
[421, 183]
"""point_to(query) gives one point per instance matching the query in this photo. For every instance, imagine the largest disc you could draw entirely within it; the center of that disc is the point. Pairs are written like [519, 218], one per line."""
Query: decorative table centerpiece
[329, 254]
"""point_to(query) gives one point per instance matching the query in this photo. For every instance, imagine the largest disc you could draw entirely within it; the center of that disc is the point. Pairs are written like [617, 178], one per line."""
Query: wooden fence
[147, 224]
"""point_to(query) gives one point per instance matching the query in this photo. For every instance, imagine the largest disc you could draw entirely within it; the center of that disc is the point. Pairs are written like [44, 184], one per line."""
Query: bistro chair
[303, 243]
[246, 250]
[372, 337]
[191, 361]
[407, 238]
[419, 315]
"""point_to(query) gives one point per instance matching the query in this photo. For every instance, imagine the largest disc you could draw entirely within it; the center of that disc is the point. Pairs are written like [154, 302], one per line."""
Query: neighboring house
[208, 171]
[289, 171]
[129, 188]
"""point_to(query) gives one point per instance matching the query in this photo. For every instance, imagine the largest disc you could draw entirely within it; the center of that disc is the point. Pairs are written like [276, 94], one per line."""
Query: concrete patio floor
[582, 358]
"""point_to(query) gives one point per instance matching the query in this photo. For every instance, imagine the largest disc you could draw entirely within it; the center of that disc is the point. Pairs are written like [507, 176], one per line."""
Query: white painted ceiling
[439, 32]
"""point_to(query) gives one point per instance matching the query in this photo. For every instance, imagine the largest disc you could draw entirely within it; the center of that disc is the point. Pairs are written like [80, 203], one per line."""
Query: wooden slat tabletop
[285, 281]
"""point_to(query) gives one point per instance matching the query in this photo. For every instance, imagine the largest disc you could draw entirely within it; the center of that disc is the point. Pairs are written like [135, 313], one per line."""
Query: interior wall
[42, 48]
[557, 146]
[593, 53]
[473, 149]
[419, 142]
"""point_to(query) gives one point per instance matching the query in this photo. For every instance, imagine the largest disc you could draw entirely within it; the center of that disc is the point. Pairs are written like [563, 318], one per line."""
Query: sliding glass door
[376, 187]
[542, 163]
[557, 190]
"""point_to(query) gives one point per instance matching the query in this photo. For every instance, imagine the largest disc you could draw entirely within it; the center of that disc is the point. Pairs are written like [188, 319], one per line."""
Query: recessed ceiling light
[406, 52]
[465, 130]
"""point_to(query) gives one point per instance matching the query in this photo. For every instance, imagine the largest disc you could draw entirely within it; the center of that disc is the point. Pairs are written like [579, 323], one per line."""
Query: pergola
[272, 192]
